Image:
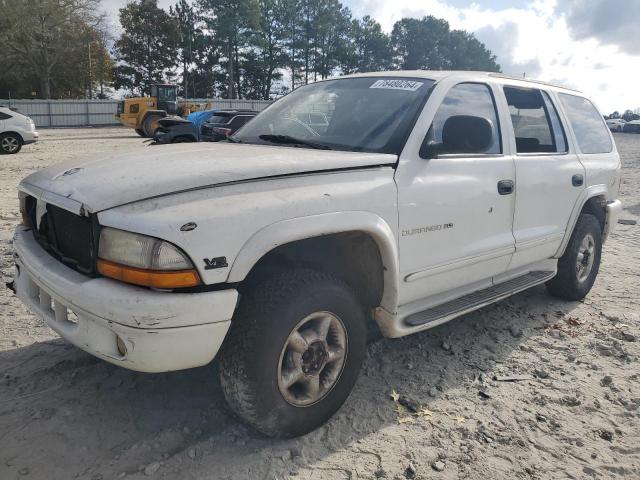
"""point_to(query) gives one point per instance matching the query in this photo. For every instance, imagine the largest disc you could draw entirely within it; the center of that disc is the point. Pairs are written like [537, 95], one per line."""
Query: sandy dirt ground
[573, 411]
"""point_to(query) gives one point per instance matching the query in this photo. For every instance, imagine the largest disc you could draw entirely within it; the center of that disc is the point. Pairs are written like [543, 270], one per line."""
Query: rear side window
[591, 132]
[536, 125]
[468, 99]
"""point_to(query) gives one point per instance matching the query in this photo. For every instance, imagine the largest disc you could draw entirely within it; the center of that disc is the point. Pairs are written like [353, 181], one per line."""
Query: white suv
[427, 195]
[16, 130]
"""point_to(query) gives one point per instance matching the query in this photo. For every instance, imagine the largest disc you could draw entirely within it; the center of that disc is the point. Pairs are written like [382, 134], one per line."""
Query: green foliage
[52, 48]
[429, 44]
[146, 50]
[215, 48]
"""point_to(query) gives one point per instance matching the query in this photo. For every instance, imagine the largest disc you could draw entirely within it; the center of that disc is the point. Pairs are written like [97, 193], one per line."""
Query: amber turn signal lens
[149, 278]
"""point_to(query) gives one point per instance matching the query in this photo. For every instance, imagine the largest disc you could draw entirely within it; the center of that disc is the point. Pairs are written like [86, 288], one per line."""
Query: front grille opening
[65, 235]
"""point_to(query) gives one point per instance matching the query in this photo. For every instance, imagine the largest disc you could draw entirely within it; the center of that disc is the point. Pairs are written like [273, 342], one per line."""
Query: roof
[462, 75]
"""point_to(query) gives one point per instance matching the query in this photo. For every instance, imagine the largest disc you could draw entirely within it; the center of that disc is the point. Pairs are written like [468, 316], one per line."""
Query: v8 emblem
[218, 262]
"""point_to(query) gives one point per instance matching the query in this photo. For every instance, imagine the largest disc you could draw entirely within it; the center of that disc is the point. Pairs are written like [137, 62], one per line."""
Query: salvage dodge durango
[423, 196]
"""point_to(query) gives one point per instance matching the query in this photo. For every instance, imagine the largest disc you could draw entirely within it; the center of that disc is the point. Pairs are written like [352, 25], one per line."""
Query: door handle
[505, 187]
[577, 180]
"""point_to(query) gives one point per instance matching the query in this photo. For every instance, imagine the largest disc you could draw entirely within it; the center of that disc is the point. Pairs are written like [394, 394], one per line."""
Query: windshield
[369, 114]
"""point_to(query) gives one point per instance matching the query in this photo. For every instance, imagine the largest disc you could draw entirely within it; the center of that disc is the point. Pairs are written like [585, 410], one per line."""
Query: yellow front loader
[143, 113]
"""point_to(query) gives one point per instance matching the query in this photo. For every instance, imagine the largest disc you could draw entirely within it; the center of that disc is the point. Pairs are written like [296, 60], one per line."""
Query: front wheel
[293, 353]
[10, 143]
[579, 266]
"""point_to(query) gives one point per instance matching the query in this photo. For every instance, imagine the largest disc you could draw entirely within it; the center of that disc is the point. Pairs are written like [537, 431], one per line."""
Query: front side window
[467, 99]
[367, 114]
[4, 116]
[535, 121]
[591, 131]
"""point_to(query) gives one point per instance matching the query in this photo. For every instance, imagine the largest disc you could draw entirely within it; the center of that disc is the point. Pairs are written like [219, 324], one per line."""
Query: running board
[475, 300]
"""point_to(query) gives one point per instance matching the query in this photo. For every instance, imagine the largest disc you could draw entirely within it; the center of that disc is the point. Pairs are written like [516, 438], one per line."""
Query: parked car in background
[225, 123]
[616, 124]
[632, 127]
[208, 126]
[175, 130]
[16, 130]
[179, 130]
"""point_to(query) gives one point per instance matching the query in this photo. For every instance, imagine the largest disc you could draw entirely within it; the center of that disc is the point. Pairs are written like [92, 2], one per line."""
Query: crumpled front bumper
[161, 331]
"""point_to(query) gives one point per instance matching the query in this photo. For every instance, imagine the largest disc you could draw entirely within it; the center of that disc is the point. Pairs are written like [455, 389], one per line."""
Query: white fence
[77, 113]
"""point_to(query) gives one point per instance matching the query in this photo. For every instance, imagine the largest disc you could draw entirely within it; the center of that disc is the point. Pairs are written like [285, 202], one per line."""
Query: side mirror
[462, 134]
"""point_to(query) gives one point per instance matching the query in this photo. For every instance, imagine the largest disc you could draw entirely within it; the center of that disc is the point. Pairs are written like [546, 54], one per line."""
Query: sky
[590, 45]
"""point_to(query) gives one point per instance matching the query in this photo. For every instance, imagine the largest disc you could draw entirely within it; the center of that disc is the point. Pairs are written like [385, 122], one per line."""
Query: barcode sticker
[409, 85]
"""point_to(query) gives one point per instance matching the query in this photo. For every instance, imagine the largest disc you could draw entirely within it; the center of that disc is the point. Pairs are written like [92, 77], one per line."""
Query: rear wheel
[140, 132]
[579, 266]
[293, 353]
[148, 125]
[10, 143]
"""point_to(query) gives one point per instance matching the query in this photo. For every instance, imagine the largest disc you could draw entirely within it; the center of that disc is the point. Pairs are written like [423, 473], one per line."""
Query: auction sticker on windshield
[410, 85]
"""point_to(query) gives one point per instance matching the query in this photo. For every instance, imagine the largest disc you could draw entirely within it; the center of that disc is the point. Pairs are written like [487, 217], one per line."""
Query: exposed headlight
[144, 260]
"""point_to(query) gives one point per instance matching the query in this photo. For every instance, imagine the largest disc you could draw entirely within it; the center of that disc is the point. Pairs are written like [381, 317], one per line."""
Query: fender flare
[300, 228]
[600, 190]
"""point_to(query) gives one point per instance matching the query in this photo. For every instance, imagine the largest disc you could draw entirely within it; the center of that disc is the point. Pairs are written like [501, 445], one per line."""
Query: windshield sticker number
[408, 85]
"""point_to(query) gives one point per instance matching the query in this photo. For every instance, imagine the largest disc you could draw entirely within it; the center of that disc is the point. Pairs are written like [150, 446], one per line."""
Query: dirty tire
[140, 132]
[261, 327]
[567, 284]
[10, 143]
[147, 125]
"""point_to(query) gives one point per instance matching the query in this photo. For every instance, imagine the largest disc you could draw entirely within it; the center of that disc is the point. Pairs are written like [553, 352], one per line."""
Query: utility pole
[90, 75]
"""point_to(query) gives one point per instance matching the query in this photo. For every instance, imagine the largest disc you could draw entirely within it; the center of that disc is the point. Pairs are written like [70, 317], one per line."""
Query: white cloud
[536, 38]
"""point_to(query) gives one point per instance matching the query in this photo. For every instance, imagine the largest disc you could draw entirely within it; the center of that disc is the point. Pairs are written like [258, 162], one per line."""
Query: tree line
[627, 115]
[254, 49]
[53, 49]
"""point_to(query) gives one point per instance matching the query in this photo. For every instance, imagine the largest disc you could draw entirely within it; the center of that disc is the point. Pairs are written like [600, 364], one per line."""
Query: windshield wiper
[286, 139]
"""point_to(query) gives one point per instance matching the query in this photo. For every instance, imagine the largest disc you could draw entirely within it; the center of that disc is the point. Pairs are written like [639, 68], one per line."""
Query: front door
[455, 225]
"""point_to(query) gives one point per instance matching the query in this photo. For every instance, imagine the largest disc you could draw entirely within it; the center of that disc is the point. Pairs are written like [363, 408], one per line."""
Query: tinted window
[591, 132]
[467, 99]
[4, 116]
[219, 118]
[535, 122]
[556, 124]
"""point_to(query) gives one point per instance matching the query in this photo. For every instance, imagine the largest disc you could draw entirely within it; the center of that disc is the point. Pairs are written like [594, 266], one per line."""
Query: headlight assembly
[144, 260]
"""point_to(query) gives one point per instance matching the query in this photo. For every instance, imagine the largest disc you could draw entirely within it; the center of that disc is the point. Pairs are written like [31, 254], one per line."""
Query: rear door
[549, 174]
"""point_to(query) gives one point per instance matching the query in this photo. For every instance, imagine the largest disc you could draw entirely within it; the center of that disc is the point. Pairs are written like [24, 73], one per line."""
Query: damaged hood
[102, 183]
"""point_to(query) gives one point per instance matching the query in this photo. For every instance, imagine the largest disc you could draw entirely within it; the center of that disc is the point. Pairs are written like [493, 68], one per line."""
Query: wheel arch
[324, 230]
[17, 134]
[593, 201]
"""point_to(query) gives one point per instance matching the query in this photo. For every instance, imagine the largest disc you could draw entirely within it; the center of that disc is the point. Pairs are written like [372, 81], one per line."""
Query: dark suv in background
[219, 124]
[224, 123]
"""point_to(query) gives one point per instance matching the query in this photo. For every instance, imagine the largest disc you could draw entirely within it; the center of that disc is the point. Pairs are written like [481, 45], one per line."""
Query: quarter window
[588, 125]
[4, 116]
[473, 99]
[535, 121]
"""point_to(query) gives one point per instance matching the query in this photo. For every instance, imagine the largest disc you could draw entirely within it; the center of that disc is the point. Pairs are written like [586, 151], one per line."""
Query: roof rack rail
[513, 77]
